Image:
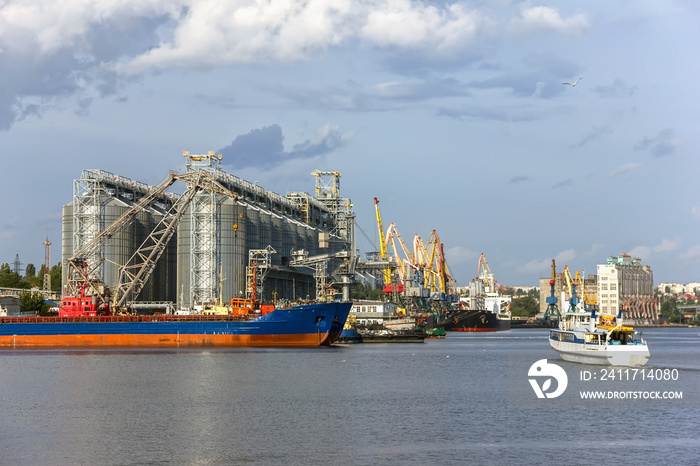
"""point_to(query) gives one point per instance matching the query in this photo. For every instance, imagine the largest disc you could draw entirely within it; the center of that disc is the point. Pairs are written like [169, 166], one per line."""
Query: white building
[678, 288]
[373, 312]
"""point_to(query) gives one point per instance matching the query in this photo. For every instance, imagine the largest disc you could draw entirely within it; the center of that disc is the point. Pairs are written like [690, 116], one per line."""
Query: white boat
[581, 337]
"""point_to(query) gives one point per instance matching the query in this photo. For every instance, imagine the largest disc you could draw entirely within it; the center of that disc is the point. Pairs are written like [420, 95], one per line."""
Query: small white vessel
[581, 337]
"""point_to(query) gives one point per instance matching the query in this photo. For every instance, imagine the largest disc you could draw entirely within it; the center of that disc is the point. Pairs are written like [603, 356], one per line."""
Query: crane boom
[382, 244]
[85, 261]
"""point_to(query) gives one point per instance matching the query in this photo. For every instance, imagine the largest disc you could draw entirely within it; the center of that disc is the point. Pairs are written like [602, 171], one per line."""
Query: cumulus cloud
[413, 24]
[88, 49]
[84, 48]
[660, 145]
[264, 147]
[547, 18]
[264, 31]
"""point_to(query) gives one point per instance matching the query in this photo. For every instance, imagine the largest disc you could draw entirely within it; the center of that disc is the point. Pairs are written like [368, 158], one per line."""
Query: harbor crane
[552, 308]
[438, 277]
[571, 285]
[389, 287]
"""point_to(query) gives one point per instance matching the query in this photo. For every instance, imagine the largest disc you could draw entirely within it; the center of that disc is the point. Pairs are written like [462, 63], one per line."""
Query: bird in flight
[573, 84]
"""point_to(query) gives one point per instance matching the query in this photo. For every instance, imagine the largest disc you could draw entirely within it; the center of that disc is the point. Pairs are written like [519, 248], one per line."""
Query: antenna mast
[47, 264]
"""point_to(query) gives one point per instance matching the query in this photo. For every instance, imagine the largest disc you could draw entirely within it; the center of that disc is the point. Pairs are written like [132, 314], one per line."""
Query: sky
[452, 113]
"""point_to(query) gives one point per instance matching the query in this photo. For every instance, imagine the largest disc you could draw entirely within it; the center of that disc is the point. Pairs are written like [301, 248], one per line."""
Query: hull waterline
[303, 326]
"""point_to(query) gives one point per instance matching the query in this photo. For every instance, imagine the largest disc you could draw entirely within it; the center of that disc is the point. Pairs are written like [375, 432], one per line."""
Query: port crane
[551, 300]
[408, 268]
[571, 285]
[135, 273]
[438, 277]
[483, 272]
[389, 286]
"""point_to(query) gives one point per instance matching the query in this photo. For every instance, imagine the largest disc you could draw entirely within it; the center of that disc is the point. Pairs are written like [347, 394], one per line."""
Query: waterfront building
[678, 289]
[370, 312]
[625, 285]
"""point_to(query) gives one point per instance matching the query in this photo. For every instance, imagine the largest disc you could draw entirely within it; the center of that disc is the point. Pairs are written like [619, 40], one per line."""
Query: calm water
[462, 400]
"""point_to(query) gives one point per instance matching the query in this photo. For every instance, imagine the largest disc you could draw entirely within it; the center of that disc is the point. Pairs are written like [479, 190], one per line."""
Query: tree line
[31, 279]
[31, 302]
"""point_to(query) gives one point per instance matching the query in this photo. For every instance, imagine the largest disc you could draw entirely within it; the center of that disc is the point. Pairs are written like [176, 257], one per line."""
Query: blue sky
[452, 114]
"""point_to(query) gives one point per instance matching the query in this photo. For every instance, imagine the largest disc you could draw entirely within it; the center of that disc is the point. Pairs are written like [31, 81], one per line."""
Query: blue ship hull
[308, 325]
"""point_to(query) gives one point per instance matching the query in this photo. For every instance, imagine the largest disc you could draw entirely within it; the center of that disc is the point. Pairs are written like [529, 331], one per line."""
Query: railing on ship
[125, 318]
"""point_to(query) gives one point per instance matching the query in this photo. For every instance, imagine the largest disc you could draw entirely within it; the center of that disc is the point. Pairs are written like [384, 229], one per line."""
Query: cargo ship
[306, 325]
[477, 320]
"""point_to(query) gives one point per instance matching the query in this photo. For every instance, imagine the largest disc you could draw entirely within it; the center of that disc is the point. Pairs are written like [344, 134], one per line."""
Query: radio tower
[47, 264]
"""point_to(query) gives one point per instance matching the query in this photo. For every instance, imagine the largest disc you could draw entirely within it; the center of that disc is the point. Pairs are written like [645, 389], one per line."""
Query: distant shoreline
[517, 324]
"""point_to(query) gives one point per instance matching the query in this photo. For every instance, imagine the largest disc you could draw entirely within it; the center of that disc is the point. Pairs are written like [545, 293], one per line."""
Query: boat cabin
[576, 321]
[81, 306]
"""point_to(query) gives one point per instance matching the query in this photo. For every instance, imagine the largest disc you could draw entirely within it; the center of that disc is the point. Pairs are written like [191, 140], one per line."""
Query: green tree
[8, 278]
[524, 307]
[669, 310]
[366, 292]
[31, 303]
[31, 279]
[56, 276]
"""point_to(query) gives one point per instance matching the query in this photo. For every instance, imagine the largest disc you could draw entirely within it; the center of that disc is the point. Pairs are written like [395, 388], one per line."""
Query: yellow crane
[587, 300]
[382, 246]
[437, 274]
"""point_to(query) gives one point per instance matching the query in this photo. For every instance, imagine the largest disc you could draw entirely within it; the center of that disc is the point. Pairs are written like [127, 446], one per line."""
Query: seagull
[573, 84]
